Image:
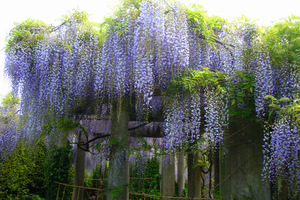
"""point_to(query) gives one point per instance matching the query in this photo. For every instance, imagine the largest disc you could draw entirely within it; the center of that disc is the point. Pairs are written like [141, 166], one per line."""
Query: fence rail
[99, 191]
[102, 191]
[168, 197]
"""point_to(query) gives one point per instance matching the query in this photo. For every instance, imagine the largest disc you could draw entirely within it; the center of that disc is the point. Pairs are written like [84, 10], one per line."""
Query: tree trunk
[194, 175]
[181, 173]
[118, 172]
[79, 172]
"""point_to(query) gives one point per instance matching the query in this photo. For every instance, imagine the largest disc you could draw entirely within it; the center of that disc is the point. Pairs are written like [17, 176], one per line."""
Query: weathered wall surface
[241, 162]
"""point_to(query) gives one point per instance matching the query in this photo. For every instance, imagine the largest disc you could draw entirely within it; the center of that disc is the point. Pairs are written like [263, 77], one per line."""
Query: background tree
[8, 124]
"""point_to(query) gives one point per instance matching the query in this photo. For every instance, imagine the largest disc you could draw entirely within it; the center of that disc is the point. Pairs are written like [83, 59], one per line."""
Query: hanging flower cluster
[181, 127]
[143, 54]
[281, 154]
[264, 75]
[282, 143]
[286, 81]
[113, 74]
[216, 118]
[9, 136]
[231, 56]
[55, 75]
[183, 123]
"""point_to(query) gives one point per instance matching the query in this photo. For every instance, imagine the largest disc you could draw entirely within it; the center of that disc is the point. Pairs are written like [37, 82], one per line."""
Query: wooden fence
[100, 194]
[98, 191]
[154, 197]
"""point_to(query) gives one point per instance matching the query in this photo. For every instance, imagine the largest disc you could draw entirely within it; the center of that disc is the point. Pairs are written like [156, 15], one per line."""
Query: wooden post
[194, 175]
[78, 193]
[64, 193]
[180, 173]
[79, 171]
[167, 168]
[57, 192]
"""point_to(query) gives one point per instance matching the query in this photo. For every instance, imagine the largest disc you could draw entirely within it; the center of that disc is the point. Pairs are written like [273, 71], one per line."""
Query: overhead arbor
[207, 72]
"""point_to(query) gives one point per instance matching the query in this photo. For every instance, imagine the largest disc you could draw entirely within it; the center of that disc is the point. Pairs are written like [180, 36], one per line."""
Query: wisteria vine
[70, 70]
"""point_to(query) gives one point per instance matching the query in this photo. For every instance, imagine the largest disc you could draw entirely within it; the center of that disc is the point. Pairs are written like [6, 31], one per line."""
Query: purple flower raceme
[216, 118]
[160, 50]
[281, 153]
[286, 81]
[201, 54]
[264, 82]
[183, 123]
[175, 134]
[9, 136]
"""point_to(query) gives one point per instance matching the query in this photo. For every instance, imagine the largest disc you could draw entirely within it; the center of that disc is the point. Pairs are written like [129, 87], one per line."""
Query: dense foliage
[283, 41]
[22, 173]
[58, 168]
[146, 177]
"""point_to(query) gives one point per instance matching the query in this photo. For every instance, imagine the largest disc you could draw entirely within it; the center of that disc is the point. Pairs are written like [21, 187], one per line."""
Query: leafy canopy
[26, 34]
[191, 82]
[283, 40]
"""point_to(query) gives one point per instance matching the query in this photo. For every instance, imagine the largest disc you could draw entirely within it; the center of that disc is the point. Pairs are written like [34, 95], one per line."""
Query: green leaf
[240, 99]
[251, 89]
[113, 141]
[284, 99]
[270, 97]
[272, 105]
[232, 102]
